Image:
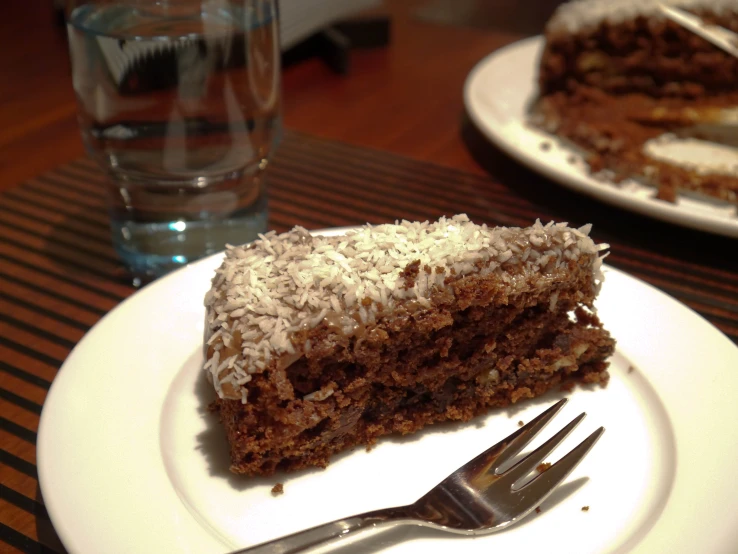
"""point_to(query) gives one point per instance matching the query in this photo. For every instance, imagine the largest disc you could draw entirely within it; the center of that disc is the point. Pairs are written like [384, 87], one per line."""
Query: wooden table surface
[388, 140]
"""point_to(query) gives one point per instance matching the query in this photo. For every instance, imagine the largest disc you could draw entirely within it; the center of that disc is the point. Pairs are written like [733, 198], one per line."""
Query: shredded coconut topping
[578, 15]
[265, 292]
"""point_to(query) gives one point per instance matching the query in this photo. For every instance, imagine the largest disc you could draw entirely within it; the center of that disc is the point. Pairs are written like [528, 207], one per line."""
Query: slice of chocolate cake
[634, 91]
[317, 344]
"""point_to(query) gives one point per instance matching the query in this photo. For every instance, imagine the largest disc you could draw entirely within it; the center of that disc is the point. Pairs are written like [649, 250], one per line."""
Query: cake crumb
[666, 192]
[277, 489]
[568, 386]
[520, 423]
[585, 508]
[630, 369]
[545, 146]
[540, 468]
[538, 510]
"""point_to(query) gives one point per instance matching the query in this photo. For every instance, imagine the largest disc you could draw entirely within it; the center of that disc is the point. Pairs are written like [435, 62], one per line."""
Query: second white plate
[497, 95]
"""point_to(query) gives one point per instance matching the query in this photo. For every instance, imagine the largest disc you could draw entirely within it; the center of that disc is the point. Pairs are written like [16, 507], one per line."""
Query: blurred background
[385, 93]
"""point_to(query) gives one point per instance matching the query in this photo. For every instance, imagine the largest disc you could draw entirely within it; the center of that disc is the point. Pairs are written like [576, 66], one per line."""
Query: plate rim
[527, 51]
[199, 538]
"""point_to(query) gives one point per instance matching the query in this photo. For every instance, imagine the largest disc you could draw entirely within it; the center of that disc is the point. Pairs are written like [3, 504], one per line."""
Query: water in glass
[179, 103]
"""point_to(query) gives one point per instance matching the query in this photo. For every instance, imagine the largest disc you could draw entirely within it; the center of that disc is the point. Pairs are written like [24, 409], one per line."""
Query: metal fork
[723, 38]
[478, 498]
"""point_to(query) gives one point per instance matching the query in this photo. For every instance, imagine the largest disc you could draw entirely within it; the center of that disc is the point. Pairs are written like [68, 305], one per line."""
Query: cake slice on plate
[317, 344]
[643, 97]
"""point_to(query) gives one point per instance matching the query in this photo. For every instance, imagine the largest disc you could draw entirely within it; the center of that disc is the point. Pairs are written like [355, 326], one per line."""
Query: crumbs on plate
[278, 489]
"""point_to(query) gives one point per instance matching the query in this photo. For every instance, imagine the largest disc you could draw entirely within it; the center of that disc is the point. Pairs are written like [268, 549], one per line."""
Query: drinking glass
[179, 104]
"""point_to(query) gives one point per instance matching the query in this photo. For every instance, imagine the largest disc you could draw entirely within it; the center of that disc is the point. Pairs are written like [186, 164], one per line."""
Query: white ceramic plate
[497, 95]
[129, 459]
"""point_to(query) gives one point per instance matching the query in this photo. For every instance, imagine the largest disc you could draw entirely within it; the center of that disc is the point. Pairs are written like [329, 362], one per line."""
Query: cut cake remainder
[317, 344]
[631, 88]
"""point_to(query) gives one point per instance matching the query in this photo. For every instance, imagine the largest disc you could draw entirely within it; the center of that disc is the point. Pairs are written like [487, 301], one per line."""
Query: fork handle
[328, 532]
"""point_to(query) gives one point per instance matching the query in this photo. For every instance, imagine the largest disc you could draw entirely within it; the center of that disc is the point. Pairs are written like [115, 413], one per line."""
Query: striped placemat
[59, 274]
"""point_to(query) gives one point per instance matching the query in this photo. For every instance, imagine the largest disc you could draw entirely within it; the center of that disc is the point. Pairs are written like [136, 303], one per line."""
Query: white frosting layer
[701, 156]
[579, 15]
[282, 284]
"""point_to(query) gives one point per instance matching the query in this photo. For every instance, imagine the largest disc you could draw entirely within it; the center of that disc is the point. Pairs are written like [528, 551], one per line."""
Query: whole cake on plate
[643, 97]
[316, 344]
